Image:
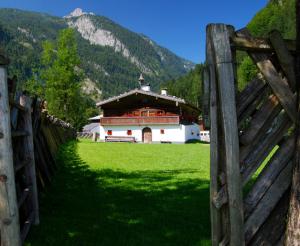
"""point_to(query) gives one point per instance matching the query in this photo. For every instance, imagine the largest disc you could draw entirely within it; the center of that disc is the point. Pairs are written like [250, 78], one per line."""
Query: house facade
[141, 115]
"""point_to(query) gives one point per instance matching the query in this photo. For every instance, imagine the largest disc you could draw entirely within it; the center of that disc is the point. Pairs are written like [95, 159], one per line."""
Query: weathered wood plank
[252, 108]
[261, 120]
[268, 202]
[9, 215]
[286, 60]
[28, 149]
[215, 214]
[279, 87]
[220, 35]
[259, 152]
[258, 44]
[279, 160]
[249, 94]
[270, 233]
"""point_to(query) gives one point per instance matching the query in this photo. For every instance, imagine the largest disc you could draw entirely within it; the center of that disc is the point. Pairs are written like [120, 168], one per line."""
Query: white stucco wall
[192, 132]
[172, 133]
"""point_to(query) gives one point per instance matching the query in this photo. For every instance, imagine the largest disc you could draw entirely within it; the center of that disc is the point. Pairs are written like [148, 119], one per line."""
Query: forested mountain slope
[112, 56]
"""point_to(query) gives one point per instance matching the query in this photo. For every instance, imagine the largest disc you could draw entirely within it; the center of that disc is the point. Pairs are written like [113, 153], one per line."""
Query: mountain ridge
[112, 56]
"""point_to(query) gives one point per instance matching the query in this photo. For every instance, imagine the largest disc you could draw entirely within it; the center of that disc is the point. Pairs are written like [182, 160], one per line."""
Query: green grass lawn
[126, 194]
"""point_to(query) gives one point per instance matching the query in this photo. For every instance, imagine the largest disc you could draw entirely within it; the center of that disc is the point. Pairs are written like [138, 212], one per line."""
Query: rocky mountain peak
[78, 12]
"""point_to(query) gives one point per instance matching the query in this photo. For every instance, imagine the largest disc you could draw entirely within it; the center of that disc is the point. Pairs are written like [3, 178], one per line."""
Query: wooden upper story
[139, 107]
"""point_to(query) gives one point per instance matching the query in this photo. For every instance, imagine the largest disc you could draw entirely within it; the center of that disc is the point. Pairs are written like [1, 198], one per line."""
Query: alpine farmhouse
[141, 115]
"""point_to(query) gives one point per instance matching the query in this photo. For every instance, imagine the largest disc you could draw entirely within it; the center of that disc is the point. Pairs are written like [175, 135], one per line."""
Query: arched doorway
[147, 135]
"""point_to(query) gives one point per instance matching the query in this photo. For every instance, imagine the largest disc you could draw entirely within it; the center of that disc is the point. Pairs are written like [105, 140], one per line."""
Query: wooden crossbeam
[258, 44]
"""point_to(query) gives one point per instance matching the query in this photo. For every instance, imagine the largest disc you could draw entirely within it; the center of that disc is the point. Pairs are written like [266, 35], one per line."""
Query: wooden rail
[249, 189]
[119, 121]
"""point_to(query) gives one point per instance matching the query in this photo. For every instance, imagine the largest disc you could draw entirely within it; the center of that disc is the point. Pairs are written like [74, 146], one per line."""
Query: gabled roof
[90, 127]
[138, 91]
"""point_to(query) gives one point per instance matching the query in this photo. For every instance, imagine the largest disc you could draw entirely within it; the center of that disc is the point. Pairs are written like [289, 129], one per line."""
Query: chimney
[164, 91]
[144, 86]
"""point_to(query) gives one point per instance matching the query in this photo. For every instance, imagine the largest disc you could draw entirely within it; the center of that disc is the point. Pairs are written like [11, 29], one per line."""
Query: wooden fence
[29, 141]
[252, 136]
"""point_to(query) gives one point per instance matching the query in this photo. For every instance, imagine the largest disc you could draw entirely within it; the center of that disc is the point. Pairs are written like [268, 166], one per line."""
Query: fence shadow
[108, 207]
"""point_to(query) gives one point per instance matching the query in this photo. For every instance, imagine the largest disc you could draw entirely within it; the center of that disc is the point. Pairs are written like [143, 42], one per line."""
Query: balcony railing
[156, 120]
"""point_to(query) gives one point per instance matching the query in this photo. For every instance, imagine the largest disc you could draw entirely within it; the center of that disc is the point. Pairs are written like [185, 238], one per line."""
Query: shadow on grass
[110, 207]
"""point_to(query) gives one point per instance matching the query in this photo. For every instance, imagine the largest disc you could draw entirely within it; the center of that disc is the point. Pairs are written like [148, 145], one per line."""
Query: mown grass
[127, 194]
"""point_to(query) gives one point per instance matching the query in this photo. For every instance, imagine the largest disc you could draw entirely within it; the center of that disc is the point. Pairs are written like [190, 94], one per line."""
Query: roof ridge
[136, 90]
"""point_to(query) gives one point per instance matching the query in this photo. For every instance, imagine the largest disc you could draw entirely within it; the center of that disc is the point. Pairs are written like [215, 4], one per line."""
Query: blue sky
[178, 25]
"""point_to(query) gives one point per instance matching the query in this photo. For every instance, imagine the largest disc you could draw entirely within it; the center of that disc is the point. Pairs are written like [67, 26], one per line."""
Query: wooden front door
[147, 135]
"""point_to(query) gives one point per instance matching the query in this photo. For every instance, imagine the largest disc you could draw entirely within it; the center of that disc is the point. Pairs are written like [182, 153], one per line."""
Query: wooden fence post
[209, 74]
[293, 224]
[220, 37]
[29, 152]
[9, 214]
[206, 98]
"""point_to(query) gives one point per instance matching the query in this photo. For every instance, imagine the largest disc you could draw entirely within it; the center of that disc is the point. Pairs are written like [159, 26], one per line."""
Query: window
[144, 113]
[162, 131]
[109, 132]
[129, 132]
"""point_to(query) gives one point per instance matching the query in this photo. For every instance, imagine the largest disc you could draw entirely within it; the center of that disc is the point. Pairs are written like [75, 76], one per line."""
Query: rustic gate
[252, 136]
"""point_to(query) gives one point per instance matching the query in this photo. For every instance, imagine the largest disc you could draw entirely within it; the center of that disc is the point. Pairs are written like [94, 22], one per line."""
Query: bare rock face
[98, 36]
